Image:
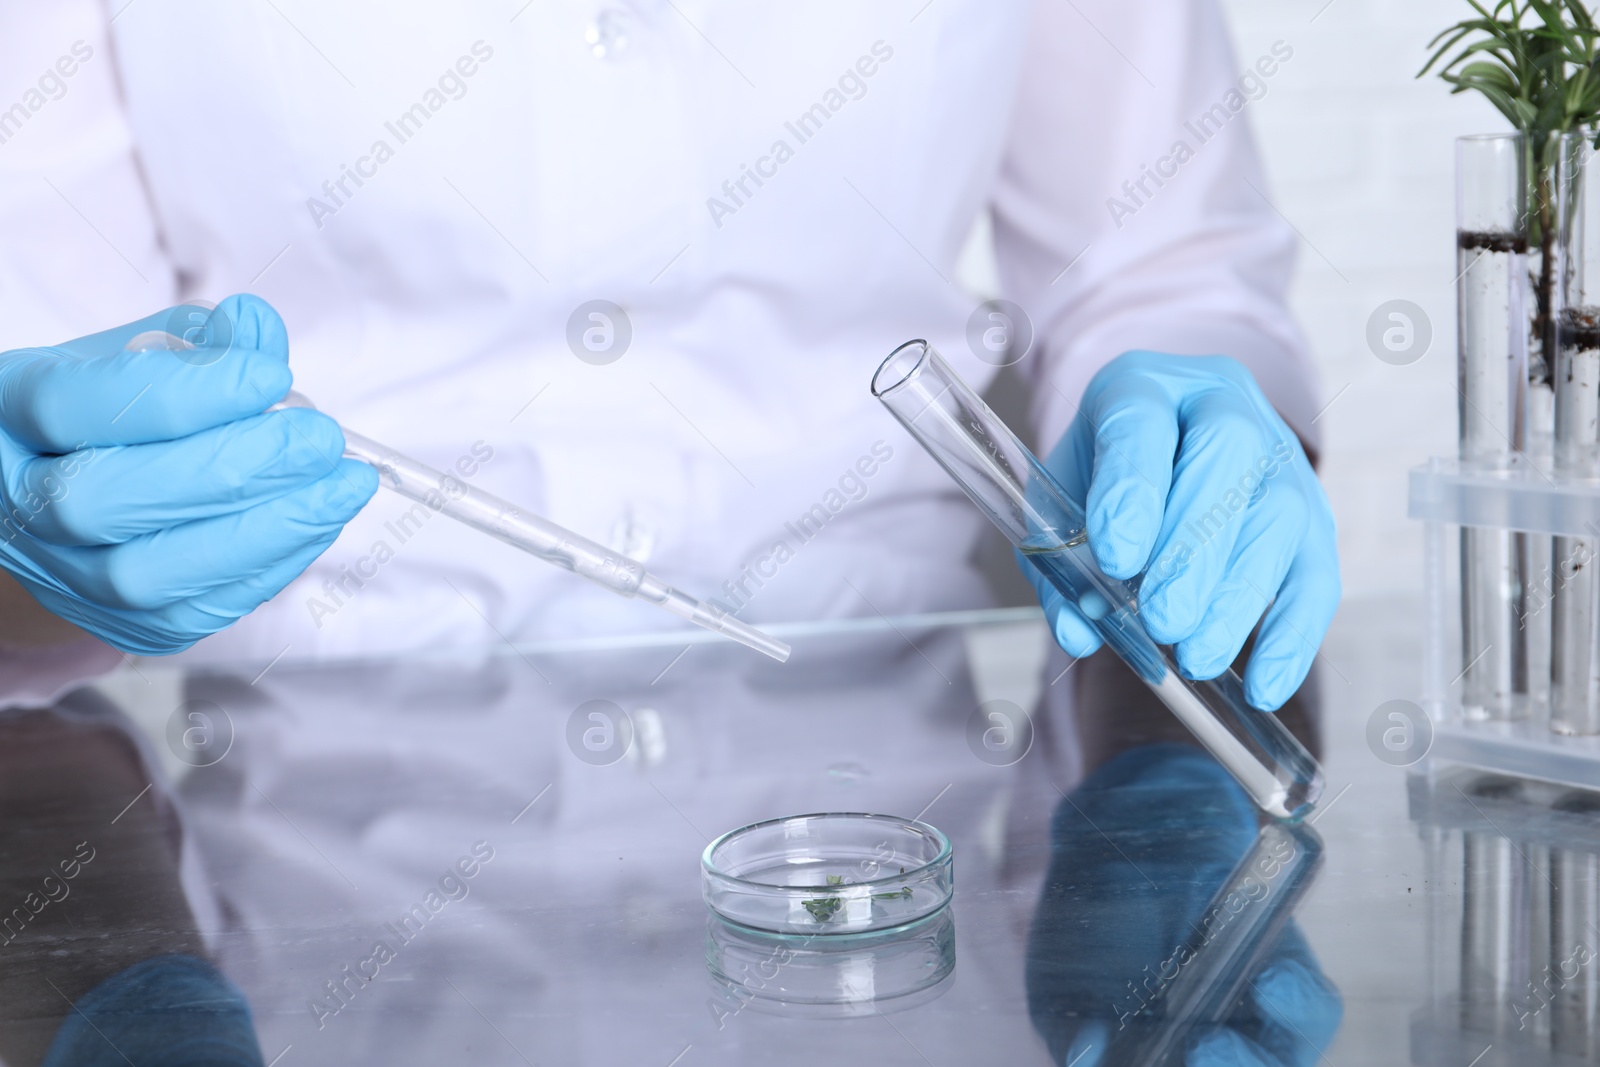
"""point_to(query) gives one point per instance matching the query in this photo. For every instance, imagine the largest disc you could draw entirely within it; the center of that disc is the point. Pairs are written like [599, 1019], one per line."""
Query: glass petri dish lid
[829, 873]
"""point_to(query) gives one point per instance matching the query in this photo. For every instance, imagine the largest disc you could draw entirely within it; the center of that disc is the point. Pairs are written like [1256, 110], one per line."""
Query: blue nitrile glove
[1288, 1017]
[1138, 854]
[147, 495]
[1184, 468]
[177, 1011]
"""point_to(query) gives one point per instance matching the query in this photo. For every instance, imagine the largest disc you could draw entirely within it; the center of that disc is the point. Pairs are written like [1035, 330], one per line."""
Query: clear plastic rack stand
[1446, 495]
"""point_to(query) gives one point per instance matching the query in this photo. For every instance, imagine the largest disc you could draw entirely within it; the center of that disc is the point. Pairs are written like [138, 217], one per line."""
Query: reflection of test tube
[1010, 486]
[1491, 245]
[1495, 938]
[1574, 930]
[1242, 922]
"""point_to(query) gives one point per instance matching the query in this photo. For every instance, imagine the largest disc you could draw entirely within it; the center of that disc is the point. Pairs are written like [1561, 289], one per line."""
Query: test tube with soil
[1575, 650]
[1493, 329]
[1537, 440]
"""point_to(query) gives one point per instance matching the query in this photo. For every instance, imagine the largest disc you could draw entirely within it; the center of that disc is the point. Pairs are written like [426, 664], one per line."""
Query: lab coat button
[607, 35]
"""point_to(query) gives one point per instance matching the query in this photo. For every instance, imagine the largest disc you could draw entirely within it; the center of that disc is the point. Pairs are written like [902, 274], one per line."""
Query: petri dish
[817, 976]
[828, 874]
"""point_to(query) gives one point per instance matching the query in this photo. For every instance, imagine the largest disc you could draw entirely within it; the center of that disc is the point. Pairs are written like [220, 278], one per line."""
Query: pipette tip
[748, 635]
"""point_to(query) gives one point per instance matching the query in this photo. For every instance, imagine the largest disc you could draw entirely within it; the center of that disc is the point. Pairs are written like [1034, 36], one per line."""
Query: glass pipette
[1019, 496]
[483, 511]
[506, 522]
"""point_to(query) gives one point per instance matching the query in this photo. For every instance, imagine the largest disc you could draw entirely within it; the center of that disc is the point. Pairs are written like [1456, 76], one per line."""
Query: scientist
[636, 262]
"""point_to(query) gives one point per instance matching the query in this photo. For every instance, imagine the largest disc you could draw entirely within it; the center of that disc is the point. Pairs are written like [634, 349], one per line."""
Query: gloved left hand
[147, 495]
[1184, 468]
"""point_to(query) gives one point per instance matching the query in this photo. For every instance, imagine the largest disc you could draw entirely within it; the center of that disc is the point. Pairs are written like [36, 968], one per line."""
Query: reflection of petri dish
[813, 975]
[841, 873]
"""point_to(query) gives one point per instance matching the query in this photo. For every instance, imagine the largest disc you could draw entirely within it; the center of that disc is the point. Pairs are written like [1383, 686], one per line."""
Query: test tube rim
[916, 368]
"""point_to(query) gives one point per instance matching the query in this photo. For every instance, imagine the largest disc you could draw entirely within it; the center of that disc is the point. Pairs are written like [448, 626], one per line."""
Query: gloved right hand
[148, 496]
[1189, 476]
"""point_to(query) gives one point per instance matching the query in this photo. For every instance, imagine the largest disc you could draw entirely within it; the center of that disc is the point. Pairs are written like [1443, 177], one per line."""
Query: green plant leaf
[1535, 61]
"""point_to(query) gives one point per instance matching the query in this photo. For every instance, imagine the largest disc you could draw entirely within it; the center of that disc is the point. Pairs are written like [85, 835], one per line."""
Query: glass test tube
[1575, 599]
[1015, 492]
[1491, 247]
[1537, 439]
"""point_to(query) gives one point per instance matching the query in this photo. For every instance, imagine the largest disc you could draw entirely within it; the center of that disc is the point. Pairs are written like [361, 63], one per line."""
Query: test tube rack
[1519, 495]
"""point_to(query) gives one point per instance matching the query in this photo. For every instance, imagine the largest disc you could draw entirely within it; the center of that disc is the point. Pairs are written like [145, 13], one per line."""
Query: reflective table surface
[493, 856]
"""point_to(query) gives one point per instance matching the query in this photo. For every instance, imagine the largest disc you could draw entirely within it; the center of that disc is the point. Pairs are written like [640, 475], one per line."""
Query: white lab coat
[585, 159]
[514, 162]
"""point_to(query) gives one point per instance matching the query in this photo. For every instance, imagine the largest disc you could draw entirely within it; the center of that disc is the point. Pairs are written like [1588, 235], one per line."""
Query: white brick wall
[1360, 157]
